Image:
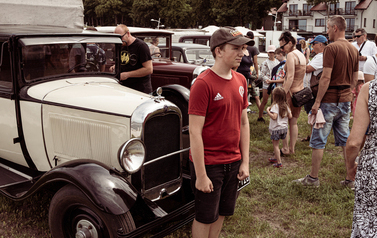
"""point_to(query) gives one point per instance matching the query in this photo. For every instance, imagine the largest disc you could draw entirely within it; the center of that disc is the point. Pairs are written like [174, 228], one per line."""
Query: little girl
[279, 113]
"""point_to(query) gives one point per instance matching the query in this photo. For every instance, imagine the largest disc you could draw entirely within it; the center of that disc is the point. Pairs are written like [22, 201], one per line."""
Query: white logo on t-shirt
[218, 97]
[241, 90]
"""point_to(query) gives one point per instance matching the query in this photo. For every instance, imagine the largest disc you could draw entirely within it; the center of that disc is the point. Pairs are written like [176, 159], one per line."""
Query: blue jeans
[337, 116]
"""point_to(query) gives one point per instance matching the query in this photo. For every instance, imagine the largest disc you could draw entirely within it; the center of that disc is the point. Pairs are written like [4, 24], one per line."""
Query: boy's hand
[243, 172]
[204, 184]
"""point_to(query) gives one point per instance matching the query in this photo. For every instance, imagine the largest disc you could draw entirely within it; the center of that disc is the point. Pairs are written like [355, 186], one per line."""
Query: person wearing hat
[219, 133]
[265, 74]
[314, 67]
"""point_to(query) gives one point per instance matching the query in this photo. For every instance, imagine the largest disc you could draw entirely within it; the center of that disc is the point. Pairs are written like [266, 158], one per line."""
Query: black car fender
[104, 186]
[179, 95]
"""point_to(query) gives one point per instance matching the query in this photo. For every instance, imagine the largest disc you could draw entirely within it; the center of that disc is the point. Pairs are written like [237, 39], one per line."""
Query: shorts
[278, 134]
[265, 85]
[253, 90]
[337, 116]
[295, 110]
[222, 201]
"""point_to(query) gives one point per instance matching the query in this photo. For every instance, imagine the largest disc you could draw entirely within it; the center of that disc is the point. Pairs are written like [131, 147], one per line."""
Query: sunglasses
[124, 34]
[282, 47]
[357, 36]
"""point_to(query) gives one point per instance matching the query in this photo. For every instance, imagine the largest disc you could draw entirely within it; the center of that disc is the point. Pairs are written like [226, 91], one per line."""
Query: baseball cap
[228, 35]
[319, 38]
[271, 48]
[360, 75]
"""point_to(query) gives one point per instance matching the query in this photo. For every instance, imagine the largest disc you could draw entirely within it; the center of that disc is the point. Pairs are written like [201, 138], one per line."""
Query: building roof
[363, 5]
[283, 8]
[319, 7]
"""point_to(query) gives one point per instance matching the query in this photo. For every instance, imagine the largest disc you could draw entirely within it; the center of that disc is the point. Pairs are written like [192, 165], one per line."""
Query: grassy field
[271, 206]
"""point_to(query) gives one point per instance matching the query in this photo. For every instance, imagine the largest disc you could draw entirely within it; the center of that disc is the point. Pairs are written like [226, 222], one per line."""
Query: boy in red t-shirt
[219, 134]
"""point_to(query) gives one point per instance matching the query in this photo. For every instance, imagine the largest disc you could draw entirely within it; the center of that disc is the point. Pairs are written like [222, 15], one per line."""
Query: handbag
[301, 97]
[314, 82]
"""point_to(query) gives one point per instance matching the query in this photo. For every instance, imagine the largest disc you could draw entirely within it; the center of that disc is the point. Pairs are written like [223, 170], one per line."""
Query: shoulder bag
[301, 97]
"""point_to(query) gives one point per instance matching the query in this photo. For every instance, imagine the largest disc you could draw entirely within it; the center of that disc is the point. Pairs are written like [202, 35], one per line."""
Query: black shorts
[222, 201]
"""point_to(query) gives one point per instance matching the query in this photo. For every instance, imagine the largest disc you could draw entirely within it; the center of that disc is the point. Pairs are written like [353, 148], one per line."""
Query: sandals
[276, 165]
[282, 154]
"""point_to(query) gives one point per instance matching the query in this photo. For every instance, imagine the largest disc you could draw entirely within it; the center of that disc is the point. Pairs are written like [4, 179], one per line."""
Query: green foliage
[143, 11]
[178, 13]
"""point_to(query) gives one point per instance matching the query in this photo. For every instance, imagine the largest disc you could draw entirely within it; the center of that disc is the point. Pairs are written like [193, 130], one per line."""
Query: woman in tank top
[295, 68]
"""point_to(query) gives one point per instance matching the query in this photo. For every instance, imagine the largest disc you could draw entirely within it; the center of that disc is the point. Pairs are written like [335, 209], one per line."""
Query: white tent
[211, 29]
[67, 13]
[244, 31]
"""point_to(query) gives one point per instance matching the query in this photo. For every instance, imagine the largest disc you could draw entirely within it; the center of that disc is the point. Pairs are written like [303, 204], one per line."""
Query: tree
[176, 13]
[89, 13]
[108, 10]
[143, 11]
[203, 13]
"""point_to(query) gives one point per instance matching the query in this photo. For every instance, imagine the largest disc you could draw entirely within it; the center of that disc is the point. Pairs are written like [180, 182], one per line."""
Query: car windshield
[158, 45]
[199, 56]
[46, 60]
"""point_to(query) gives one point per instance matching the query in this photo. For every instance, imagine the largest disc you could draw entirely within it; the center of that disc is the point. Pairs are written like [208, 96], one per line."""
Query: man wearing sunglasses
[136, 62]
[366, 48]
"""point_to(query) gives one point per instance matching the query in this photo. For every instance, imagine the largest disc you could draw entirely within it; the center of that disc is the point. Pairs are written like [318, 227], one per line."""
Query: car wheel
[71, 214]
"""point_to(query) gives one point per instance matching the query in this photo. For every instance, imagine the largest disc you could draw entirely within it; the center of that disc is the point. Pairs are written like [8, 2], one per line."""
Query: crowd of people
[340, 76]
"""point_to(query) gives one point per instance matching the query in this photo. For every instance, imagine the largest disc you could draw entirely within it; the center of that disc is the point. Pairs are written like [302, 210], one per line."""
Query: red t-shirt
[221, 102]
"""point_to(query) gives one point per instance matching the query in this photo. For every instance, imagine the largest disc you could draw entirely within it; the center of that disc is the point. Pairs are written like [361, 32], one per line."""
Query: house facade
[309, 21]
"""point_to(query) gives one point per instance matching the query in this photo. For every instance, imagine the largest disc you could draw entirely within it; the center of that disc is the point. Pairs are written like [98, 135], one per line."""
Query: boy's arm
[203, 183]
[244, 146]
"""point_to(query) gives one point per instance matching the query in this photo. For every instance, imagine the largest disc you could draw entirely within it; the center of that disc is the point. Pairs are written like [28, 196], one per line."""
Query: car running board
[13, 182]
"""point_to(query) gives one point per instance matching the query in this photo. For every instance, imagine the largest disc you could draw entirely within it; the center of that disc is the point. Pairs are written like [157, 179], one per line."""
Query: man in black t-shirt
[136, 62]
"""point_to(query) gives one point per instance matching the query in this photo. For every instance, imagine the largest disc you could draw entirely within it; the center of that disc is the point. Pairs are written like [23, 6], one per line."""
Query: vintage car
[166, 69]
[193, 54]
[112, 155]
[202, 39]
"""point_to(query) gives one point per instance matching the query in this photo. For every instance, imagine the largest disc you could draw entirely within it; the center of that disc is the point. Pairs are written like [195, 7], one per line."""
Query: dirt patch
[261, 159]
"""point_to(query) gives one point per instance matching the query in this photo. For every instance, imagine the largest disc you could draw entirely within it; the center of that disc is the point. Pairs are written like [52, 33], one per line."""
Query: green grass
[271, 206]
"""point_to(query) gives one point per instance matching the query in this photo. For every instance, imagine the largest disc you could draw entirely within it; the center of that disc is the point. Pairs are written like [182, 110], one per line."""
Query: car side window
[177, 55]
[201, 41]
[5, 70]
[188, 41]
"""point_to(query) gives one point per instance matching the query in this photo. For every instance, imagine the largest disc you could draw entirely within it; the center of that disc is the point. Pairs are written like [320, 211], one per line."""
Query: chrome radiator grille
[161, 136]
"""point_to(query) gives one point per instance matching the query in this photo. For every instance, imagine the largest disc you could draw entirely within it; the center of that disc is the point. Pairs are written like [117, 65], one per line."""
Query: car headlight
[131, 155]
